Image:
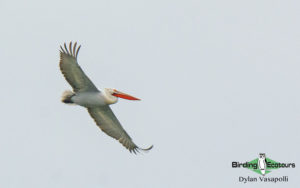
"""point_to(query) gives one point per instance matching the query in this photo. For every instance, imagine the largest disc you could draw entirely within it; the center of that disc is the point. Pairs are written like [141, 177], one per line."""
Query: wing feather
[72, 71]
[108, 123]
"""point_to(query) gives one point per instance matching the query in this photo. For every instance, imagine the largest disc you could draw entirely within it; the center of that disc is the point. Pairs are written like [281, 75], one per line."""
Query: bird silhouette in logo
[262, 163]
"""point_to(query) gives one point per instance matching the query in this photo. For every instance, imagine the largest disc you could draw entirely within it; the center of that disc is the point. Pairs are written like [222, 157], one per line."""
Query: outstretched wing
[108, 123]
[72, 71]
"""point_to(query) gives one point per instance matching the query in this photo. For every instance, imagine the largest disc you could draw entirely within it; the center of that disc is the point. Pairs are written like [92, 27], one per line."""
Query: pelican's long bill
[124, 95]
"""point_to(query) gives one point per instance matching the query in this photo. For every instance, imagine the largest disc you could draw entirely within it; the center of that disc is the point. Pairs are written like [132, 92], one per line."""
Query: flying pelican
[97, 102]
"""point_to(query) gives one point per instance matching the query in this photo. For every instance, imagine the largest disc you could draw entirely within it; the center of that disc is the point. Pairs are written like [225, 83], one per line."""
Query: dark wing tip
[146, 149]
[72, 51]
[137, 149]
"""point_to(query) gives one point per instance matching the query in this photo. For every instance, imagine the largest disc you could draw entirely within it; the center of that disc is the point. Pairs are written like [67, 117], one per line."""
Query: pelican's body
[86, 94]
[92, 99]
[89, 99]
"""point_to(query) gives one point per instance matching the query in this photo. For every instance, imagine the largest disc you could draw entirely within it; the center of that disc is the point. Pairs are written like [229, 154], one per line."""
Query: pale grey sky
[219, 82]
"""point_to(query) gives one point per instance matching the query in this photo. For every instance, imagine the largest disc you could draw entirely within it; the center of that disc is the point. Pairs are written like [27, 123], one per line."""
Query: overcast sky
[219, 82]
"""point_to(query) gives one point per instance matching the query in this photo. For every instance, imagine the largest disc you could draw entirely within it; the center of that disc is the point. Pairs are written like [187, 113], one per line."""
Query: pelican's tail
[67, 97]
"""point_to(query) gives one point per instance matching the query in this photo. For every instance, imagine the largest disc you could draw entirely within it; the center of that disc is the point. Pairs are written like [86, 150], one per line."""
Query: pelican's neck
[109, 98]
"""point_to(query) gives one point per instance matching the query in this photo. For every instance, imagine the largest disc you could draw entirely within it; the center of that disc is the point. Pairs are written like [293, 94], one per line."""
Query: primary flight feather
[86, 94]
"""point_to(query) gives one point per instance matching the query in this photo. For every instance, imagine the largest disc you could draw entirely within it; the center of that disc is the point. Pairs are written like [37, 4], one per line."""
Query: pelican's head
[112, 95]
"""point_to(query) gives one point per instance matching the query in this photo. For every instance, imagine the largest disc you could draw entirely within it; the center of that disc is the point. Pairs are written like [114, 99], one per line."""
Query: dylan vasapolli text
[263, 179]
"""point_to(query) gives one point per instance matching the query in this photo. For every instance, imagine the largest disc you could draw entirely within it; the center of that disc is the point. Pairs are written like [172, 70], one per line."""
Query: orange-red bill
[124, 95]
